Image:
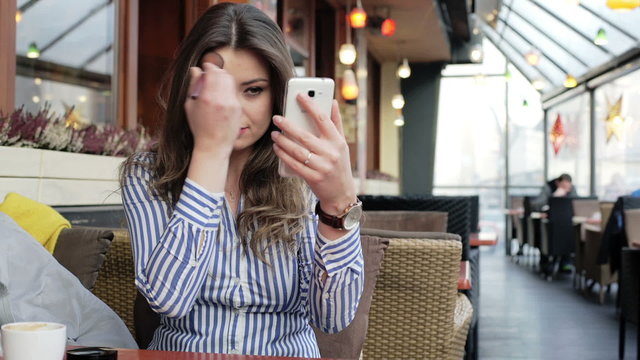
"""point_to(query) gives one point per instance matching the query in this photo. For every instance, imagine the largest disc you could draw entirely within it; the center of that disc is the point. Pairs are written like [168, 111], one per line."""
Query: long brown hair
[274, 206]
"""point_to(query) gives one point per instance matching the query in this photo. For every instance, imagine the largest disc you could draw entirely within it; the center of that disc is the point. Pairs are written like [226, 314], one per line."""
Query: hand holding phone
[320, 91]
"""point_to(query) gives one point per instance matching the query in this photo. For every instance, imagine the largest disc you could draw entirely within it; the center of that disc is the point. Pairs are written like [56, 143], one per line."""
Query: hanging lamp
[358, 17]
[623, 5]
[397, 101]
[601, 38]
[404, 71]
[349, 88]
[532, 57]
[570, 81]
[347, 53]
[33, 52]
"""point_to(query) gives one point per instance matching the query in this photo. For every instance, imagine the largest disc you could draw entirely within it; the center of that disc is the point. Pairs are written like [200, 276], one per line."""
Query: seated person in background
[35, 287]
[558, 187]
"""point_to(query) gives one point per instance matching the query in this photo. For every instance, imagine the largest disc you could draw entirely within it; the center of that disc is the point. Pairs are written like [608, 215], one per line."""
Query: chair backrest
[412, 313]
[632, 225]
[585, 207]
[629, 284]
[435, 221]
[560, 227]
[474, 215]
[115, 284]
[605, 211]
[458, 209]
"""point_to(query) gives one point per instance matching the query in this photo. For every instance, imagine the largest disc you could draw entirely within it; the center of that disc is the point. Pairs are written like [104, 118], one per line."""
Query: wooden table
[130, 354]
[483, 239]
[464, 277]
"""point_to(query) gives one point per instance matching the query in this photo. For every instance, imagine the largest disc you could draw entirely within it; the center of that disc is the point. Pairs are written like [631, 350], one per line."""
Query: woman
[228, 252]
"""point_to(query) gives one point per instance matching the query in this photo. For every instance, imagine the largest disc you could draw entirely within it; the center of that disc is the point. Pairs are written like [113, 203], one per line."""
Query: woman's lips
[244, 130]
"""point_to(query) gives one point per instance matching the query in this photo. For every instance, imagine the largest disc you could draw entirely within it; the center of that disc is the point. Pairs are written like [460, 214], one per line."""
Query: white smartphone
[320, 90]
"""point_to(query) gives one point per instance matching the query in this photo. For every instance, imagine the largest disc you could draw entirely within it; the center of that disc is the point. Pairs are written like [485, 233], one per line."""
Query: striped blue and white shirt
[215, 296]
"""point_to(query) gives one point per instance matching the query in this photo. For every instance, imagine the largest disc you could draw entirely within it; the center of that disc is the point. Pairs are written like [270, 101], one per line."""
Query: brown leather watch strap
[331, 220]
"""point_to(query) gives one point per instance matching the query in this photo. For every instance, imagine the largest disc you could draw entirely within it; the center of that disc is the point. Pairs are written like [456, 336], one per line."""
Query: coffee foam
[32, 326]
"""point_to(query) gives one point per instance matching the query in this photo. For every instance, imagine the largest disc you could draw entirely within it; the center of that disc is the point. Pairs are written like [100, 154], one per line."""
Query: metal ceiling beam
[500, 43]
[96, 55]
[531, 44]
[554, 40]
[560, 20]
[613, 25]
[75, 25]
[26, 6]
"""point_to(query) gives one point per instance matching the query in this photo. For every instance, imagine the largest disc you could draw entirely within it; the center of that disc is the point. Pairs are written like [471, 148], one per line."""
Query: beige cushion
[585, 207]
[347, 344]
[82, 251]
[431, 221]
[632, 227]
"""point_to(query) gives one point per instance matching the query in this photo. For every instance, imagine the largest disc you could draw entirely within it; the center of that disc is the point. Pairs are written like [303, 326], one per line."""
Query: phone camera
[311, 93]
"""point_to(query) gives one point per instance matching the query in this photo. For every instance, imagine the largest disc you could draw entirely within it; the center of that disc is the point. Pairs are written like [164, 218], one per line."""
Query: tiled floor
[522, 316]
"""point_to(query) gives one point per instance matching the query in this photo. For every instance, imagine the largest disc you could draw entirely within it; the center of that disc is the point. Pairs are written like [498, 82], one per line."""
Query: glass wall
[617, 137]
[568, 148]
[65, 58]
[526, 136]
[470, 148]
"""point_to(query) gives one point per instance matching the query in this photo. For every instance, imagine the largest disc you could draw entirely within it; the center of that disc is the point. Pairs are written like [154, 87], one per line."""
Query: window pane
[618, 159]
[67, 63]
[470, 144]
[573, 153]
[526, 133]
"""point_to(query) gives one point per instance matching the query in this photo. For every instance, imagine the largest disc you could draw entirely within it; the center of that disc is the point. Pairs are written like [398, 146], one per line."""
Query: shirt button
[193, 263]
[326, 296]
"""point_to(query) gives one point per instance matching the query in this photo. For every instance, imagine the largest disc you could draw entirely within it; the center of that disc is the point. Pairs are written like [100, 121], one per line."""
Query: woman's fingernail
[275, 134]
[277, 119]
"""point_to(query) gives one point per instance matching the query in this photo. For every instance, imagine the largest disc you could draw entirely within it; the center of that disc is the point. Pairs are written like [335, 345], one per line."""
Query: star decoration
[557, 135]
[614, 120]
[73, 117]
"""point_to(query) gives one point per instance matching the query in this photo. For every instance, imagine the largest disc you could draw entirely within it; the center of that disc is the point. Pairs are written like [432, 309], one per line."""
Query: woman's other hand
[322, 161]
[213, 109]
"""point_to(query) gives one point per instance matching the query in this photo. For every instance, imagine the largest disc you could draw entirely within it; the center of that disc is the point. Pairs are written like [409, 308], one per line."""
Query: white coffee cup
[36, 340]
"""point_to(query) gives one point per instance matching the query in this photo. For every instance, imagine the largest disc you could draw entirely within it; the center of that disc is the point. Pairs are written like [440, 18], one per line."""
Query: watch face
[352, 218]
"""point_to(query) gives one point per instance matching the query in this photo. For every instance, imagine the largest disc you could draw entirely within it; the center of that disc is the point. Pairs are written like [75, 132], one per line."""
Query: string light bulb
[532, 57]
[388, 27]
[476, 54]
[399, 121]
[538, 84]
[404, 70]
[347, 54]
[397, 101]
[18, 16]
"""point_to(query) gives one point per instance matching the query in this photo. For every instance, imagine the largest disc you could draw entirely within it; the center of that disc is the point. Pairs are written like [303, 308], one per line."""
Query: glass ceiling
[74, 33]
[563, 33]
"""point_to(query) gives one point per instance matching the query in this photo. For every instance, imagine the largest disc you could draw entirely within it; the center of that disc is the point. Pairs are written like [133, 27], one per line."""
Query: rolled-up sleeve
[338, 280]
[171, 251]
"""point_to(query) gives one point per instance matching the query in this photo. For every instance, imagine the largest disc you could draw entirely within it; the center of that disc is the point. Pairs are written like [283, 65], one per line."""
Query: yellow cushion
[39, 220]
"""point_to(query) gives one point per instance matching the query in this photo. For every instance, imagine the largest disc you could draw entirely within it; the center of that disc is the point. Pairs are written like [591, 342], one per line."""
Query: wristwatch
[349, 218]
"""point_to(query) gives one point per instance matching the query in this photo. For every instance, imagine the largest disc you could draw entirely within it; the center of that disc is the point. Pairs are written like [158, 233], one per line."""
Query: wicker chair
[115, 285]
[417, 312]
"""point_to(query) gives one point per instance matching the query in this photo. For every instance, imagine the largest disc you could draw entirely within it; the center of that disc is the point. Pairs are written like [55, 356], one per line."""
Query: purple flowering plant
[47, 130]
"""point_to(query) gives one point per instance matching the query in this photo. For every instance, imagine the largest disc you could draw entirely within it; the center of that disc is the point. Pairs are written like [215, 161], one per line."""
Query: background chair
[597, 273]
[417, 312]
[557, 234]
[629, 294]
[582, 209]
